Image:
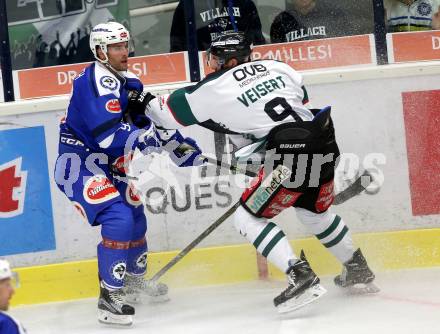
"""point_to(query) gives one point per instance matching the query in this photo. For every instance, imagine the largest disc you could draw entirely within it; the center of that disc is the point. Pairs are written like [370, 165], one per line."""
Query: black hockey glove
[137, 102]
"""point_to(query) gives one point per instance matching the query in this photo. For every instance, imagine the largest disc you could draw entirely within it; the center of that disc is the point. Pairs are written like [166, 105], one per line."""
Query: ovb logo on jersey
[109, 82]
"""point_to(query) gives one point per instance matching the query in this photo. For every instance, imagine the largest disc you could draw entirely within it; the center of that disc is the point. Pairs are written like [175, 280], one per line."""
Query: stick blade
[361, 183]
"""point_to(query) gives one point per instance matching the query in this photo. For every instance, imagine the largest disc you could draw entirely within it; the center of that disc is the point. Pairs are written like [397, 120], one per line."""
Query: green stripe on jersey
[180, 108]
[263, 234]
[306, 95]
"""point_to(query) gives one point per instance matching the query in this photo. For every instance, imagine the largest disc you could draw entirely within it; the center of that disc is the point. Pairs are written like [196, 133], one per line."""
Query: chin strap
[118, 75]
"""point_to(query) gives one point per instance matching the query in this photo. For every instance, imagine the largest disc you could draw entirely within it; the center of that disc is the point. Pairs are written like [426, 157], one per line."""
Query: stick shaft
[228, 166]
[196, 241]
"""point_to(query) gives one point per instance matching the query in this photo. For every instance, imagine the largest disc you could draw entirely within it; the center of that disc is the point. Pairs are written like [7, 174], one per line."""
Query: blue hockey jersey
[95, 112]
[8, 325]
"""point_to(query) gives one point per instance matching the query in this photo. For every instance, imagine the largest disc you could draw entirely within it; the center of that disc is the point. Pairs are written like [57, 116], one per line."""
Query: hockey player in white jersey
[263, 105]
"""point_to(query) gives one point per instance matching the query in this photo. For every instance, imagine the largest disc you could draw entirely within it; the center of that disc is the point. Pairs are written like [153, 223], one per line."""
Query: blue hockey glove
[184, 152]
[149, 142]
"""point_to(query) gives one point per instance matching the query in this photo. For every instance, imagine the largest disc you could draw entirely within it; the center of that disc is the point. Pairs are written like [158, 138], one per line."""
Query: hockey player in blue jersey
[8, 324]
[96, 145]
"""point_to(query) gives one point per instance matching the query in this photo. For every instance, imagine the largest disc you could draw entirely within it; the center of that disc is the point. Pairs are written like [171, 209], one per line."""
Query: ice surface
[408, 303]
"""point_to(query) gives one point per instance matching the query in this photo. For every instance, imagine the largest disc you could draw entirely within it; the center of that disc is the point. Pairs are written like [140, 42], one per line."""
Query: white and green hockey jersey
[247, 100]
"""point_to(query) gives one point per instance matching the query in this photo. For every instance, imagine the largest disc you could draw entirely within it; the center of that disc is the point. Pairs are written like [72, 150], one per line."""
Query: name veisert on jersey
[253, 94]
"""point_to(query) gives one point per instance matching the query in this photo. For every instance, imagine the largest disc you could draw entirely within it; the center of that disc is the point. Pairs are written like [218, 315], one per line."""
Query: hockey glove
[184, 152]
[137, 102]
[148, 141]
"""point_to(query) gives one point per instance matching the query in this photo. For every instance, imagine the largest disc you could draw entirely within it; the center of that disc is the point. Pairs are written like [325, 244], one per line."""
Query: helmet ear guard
[104, 34]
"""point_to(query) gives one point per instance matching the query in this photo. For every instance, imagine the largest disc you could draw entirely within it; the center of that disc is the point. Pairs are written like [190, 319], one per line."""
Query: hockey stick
[196, 241]
[228, 166]
[354, 189]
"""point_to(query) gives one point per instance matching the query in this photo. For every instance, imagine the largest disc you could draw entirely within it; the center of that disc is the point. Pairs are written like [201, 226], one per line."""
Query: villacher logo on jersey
[99, 189]
[113, 106]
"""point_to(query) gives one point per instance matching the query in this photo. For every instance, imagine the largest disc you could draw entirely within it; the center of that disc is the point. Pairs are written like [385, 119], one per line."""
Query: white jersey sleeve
[161, 114]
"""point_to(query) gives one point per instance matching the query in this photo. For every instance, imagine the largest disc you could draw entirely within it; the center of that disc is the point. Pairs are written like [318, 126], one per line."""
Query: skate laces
[292, 276]
[117, 296]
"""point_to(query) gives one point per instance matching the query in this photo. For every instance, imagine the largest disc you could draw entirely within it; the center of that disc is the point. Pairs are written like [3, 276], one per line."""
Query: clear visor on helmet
[15, 280]
[121, 47]
[210, 57]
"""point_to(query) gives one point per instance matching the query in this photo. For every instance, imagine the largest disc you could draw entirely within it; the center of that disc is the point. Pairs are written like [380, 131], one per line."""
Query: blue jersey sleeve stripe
[99, 130]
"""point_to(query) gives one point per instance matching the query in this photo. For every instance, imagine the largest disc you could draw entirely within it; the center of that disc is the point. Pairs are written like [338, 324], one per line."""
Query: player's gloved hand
[137, 102]
[184, 152]
[148, 141]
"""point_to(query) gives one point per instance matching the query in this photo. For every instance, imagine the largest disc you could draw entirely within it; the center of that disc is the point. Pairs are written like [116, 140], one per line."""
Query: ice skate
[137, 287]
[303, 287]
[112, 308]
[356, 276]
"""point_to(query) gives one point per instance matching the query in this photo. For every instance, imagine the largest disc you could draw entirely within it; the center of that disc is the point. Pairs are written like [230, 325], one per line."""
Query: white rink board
[368, 119]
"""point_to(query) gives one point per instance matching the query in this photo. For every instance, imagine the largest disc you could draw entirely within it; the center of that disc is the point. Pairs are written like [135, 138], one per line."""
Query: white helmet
[104, 34]
[5, 270]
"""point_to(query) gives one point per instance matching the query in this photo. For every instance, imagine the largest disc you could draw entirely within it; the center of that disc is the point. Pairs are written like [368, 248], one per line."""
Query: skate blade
[362, 289]
[109, 318]
[303, 299]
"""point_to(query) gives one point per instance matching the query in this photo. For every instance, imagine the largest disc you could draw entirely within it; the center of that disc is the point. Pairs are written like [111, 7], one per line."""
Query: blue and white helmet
[104, 34]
